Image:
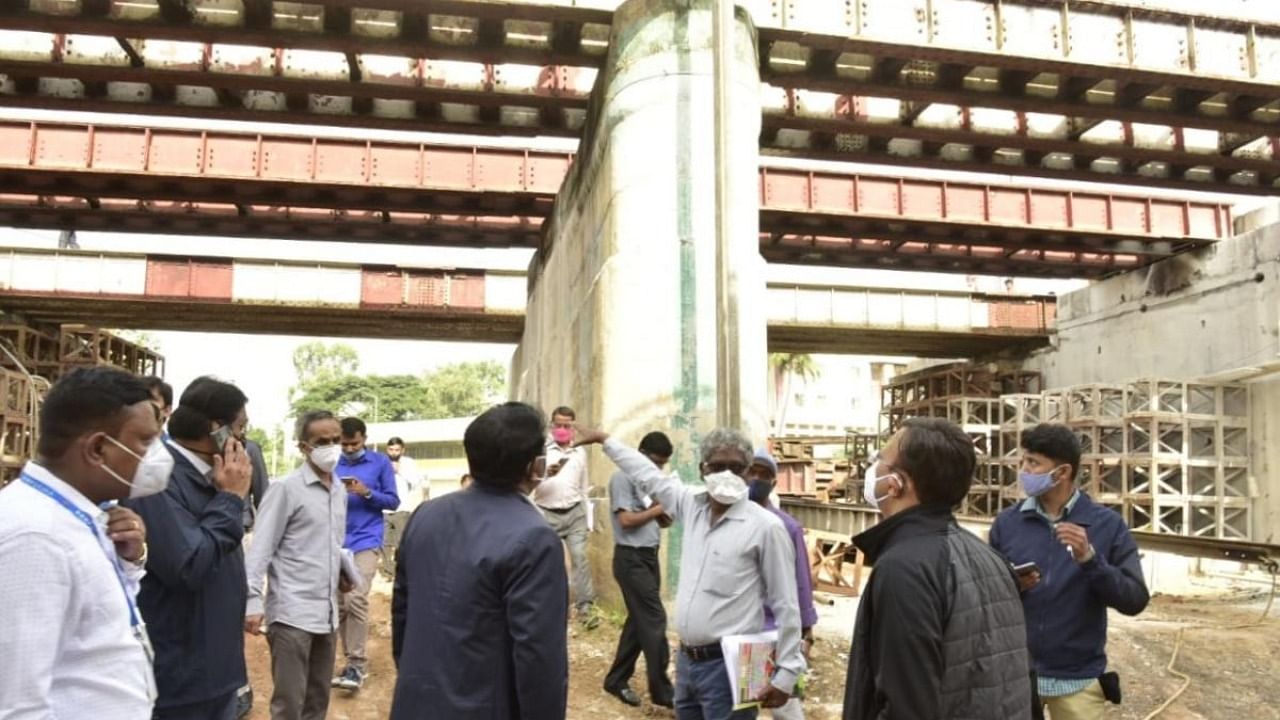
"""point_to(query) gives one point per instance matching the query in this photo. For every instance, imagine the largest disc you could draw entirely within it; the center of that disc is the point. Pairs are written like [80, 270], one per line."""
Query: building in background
[843, 395]
[434, 445]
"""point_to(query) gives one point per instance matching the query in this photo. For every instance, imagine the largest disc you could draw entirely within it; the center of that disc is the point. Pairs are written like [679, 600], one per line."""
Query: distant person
[73, 642]
[939, 631]
[370, 482]
[298, 547]
[478, 614]
[762, 477]
[193, 595]
[753, 561]
[162, 395]
[412, 487]
[563, 497]
[1077, 559]
[637, 531]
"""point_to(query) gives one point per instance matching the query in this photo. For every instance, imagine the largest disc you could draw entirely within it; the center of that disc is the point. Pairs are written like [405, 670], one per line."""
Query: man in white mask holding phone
[734, 554]
[193, 595]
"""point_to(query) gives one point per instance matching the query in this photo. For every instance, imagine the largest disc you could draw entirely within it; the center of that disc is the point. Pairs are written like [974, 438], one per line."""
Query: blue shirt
[364, 515]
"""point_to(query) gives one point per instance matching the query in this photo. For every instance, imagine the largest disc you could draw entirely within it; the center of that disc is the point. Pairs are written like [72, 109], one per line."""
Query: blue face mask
[353, 456]
[758, 490]
[1037, 484]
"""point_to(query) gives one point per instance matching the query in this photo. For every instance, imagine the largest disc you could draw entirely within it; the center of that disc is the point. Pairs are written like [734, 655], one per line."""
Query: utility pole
[728, 362]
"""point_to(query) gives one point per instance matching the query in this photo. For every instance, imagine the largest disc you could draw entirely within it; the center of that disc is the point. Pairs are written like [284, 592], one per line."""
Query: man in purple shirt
[762, 476]
[370, 482]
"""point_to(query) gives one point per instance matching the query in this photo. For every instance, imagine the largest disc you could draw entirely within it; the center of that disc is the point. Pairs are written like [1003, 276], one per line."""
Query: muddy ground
[1235, 672]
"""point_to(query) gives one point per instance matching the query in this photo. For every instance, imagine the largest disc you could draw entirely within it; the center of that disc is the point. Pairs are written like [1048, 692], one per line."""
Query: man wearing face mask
[74, 643]
[734, 554]
[762, 477]
[298, 545]
[564, 500]
[939, 632]
[193, 595]
[478, 613]
[1074, 559]
[370, 482]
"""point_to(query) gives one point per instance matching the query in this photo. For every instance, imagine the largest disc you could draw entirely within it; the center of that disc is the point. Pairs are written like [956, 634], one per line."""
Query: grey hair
[307, 418]
[726, 438]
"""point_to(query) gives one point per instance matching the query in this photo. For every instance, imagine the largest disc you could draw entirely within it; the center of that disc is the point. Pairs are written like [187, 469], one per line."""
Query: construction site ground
[1233, 671]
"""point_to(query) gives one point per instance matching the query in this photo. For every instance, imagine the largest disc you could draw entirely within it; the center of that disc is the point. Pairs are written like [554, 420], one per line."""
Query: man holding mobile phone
[193, 595]
[1089, 562]
[370, 482]
[563, 498]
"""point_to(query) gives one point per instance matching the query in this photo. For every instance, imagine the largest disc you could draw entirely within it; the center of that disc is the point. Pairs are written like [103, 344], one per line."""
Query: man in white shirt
[414, 488]
[562, 497]
[298, 546]
[75, 645]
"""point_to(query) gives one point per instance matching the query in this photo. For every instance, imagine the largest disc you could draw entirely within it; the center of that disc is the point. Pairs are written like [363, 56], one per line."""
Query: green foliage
[273, 447]
[327, 380]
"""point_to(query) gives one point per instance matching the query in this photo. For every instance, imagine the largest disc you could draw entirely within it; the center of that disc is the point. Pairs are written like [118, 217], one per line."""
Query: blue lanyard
[83, 517]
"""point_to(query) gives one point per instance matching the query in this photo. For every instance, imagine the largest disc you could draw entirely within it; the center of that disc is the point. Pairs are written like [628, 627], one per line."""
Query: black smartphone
[221, 436]
[1026, 568]
[347, 480]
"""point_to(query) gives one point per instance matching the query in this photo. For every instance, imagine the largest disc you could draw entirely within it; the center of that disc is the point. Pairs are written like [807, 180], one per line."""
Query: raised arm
[665, 489]
[187, 549]
[1115, 576]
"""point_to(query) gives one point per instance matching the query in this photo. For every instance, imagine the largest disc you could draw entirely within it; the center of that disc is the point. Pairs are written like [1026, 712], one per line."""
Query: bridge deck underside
[69, 176]
[1079, 90]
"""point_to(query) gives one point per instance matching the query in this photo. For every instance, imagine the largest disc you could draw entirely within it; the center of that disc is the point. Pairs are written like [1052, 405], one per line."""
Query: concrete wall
[1213, 314]
[621, 314]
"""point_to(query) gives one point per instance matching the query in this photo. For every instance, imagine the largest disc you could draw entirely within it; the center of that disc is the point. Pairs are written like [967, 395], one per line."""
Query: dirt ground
[1235, 672]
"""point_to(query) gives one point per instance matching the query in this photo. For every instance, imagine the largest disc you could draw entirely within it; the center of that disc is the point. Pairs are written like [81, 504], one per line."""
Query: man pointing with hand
[735, 553]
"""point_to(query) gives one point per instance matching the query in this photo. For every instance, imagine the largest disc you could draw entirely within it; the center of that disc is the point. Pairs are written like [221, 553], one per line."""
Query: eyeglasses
[735, 468]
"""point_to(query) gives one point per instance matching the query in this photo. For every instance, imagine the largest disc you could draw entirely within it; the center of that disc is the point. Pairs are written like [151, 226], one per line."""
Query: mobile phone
[1026, 568]
[221, 436]
[347, 479]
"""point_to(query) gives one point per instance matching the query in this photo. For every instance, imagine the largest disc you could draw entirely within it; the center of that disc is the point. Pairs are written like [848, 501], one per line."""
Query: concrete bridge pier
[621, 319]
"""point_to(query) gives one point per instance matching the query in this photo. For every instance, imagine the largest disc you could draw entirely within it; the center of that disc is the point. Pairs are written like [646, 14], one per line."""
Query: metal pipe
[728, 365]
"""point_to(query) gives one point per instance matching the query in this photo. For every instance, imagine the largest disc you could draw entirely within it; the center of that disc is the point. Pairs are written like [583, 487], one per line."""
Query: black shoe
[626, 695]
[668, 704]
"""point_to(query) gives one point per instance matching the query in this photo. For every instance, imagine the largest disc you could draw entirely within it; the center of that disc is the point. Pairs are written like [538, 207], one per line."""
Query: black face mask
[758, 490]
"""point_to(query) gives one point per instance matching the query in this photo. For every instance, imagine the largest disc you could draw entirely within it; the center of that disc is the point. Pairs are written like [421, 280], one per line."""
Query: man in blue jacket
[370, 481]
[193, 595]
[1085, 561]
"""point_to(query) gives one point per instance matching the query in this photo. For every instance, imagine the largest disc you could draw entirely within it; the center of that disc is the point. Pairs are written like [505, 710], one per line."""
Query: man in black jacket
[481, 600]
[939, 633]
[193, 595]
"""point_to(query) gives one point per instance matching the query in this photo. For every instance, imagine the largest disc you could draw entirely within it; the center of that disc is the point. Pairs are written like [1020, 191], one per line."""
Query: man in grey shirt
[735, 554]
[298, 546]
[637, 529]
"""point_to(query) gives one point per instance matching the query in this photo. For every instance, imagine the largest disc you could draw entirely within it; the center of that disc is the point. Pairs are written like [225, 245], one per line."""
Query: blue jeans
[703, 692]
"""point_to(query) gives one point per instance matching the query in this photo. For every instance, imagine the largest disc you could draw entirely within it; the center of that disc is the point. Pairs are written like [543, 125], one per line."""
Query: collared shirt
[567, 487]
[726, 568]
[1033, 503]
[410, 483]
[364, 515]
[196, 461]
[68, 646]
[624, 497]
[298, 546]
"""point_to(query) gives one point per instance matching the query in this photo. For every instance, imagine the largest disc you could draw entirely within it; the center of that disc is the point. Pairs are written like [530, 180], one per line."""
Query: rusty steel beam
[985, 144]
[74, 175]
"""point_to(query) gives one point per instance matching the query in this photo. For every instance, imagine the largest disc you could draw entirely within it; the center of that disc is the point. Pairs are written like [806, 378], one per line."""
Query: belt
[702, 652]
[560, 511]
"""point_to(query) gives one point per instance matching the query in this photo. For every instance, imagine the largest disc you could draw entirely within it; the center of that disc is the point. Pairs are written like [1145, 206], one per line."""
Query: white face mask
[870, 480]
[326, 458]
[154, 468]
[726, 487]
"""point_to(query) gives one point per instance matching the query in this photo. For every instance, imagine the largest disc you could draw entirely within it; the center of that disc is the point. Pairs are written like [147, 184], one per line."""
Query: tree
[376, 398]
[273, 447]
[463, 389]
[787, 366]
[316, 361]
